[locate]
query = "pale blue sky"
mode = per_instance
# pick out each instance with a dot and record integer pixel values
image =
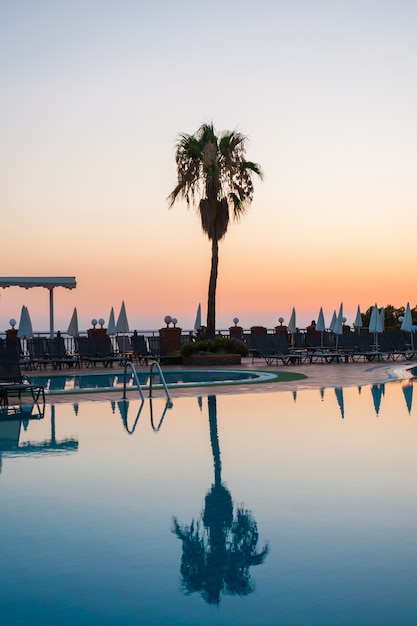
(93, 96)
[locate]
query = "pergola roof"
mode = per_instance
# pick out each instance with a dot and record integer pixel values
(43, 281)
(49, 282)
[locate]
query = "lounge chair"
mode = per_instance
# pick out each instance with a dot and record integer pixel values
(283, 351)
(104, 351)
(38, 352)
(140, 349)
(363, 347)
(12, 381)
(124, 347)
(264, 349)
(58, 355)
(85, 350)
(155, 348)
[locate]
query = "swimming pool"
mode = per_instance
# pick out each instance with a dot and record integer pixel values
(271, 508)
(107, 381)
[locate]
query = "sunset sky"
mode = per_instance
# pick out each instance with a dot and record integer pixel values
(94, 94)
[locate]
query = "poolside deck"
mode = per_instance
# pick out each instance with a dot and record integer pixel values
(318, 375)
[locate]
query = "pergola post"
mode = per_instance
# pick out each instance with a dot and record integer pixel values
(51, 312)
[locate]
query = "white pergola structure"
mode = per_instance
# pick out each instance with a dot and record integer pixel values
(49, 282)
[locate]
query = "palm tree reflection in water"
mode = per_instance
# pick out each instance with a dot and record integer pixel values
(219, 548)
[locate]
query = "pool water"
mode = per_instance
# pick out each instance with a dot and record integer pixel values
(115, 380)
(263, 508)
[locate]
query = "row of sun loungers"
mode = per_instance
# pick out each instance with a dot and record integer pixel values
(328, 347)
(90, 351)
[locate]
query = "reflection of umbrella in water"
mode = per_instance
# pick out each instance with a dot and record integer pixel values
(408, 395)
(340, 400)
(111, 326)
(25, 325)
(73, 325)
(123, 406)
(320, 325)
(122, 325)
(197, 323)
(377, 393)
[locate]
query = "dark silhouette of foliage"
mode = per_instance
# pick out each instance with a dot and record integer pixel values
(219, 548)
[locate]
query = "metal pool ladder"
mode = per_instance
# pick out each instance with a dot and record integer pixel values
(135, 376)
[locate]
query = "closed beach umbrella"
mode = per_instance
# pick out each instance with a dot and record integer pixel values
(338, 327)
(292, 324)
(375, 323)
(111, 326)
(122, 325)
(333, 322)
(25, 325)
(382, 319)
(407, 323)
(197, 323)
(358, 319)
(73, 325)
(320, 325)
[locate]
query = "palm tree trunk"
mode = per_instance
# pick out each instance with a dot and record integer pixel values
(211, 305)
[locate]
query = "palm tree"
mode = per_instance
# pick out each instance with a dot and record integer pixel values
(215, 178)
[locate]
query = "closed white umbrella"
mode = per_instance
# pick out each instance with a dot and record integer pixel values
(25, 325)
(73, 325)
(375, 323)
(358, 319)
(333, 322)
(320, 325)
(407, 323)
(122, 325)
(197, 323)
(292, 325)
(111, 326)
(338, 327)
(382, 319)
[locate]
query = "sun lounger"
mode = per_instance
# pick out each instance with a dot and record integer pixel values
(12, 381)
(58, 355)
(124, 346)
(38, 352)
(140, 349)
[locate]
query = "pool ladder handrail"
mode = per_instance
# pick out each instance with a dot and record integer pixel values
(128, 363)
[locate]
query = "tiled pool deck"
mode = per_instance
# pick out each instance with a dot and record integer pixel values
(318, 375)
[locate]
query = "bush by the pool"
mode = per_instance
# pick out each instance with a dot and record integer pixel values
(219, 345)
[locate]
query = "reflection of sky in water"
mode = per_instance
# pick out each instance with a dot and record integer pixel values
(86, 534)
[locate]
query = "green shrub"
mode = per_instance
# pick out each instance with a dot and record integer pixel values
(219, 345)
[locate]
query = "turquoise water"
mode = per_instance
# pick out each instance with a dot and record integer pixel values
(114, 380)
(258, 508)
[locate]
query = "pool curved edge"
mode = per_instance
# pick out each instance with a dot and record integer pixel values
(261, 377)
